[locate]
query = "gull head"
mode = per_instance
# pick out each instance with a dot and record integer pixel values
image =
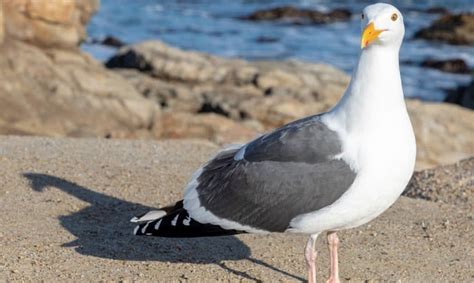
(382, 24)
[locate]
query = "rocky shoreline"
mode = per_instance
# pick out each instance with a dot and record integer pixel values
(455, 29)
(151, 90)
(299, 16)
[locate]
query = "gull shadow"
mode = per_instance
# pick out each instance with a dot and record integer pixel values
(102, 230)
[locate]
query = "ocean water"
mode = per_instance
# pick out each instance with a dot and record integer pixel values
(213, 26)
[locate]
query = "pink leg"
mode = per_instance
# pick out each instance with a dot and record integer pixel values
(333, 243)
(310, 256)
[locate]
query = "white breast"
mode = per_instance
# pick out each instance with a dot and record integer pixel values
(384, 160)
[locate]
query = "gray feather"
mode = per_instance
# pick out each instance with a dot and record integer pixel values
(286, 173)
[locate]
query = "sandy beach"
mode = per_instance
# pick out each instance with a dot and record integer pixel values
(65, 205)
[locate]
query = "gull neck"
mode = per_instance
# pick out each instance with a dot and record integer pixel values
(375, 91)
(377, 70)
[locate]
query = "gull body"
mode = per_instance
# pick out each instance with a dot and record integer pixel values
(323, 173)
(378, 142)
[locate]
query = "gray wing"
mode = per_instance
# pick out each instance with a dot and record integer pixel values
(281, 175)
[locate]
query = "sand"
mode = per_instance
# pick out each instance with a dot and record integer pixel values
(65, 206)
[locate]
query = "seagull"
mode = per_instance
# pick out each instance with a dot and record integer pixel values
(323, 173)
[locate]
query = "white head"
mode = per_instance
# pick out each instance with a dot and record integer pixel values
(382, 24)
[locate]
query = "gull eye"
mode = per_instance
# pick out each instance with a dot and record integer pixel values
(394, 17)
(362, 16)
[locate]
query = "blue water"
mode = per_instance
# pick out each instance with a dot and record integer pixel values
(213, 26)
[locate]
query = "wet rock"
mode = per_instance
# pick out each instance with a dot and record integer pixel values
(128, 60)
(109, 40)
(112, 41)
(431, 10)
(294, 15)
(457, 66)
(463, 96)
(455, 29)
(437, 10)
(266, 39)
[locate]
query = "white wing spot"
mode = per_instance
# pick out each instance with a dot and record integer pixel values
(144, 228)
(157, 225)
(173, 223)
(240, 154)
(187, 220)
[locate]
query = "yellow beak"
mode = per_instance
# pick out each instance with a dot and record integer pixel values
(369, 34)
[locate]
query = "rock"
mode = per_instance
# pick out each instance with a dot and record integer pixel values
(451, 28)
(299, 16)
(463, 95)
(158, 91)
(174, 65)
(59, 23)
(266, 39)
(276, 111)
(166, 62)
(431, 10)
(278, 78)
(109, 40)
(62, 92)
(457, 66)
(453, 184)
(58, 90)
(437, 10)
(444, 132)
(204, 126)
(196, 82)
(175, 96)
(267, 94)
(112, 41)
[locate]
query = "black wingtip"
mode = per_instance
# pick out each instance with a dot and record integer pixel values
(179, 225)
